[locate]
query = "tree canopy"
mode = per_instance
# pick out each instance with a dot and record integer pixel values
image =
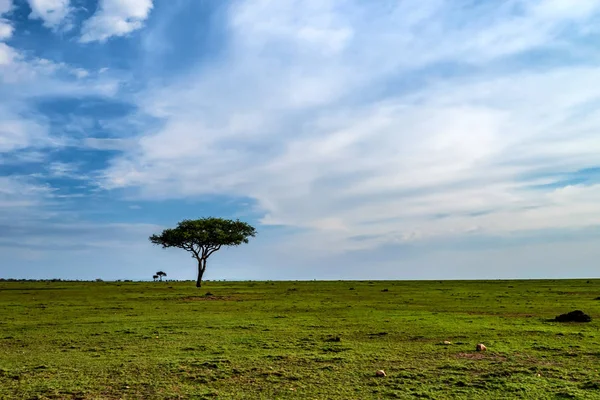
(202, 237)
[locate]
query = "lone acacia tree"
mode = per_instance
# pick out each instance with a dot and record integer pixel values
(204, 236)
(160, 275)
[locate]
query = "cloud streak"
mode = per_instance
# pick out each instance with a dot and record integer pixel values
(409, 134)
(302, 118)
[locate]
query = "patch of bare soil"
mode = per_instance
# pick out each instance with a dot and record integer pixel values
(209, 298)
(481, 356)
(500, 314)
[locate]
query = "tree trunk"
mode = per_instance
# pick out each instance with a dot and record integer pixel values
(201, 268)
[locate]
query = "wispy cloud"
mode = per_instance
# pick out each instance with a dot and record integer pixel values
(6, 28)
(367, 130)
(5, 6)
(349, 120)
(17, 132)
(115, 18)
(23, 79)
(108, 143)
(20, 193)
(79, 236)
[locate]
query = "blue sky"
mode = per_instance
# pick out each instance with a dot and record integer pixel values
(365, 139)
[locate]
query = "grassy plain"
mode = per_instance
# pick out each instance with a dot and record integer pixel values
(303, 340)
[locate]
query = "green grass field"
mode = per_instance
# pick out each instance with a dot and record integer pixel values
(303, 340)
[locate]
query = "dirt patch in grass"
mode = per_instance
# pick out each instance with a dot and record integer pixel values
(481, 356)
(210, 298)
(501, 314)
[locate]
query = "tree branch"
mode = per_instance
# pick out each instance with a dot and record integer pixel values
(213, 249)
(186, 246)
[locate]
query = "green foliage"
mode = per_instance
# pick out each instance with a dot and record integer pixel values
(202, 237)
(298, 340)
(205, 234)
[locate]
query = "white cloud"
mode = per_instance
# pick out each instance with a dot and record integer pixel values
(6, 29)
(60, 169)
(17, 69)
(115, 18)
(319, 25)
(29, 77)
(5, 6)
(7, 54)
(296, 120)
(23, 77)
(52, 12)
(19, 127)
(19, 193)
(80, 73)
(17, 132)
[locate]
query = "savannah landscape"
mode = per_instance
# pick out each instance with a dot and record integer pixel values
(304, 340)
(372, 148)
